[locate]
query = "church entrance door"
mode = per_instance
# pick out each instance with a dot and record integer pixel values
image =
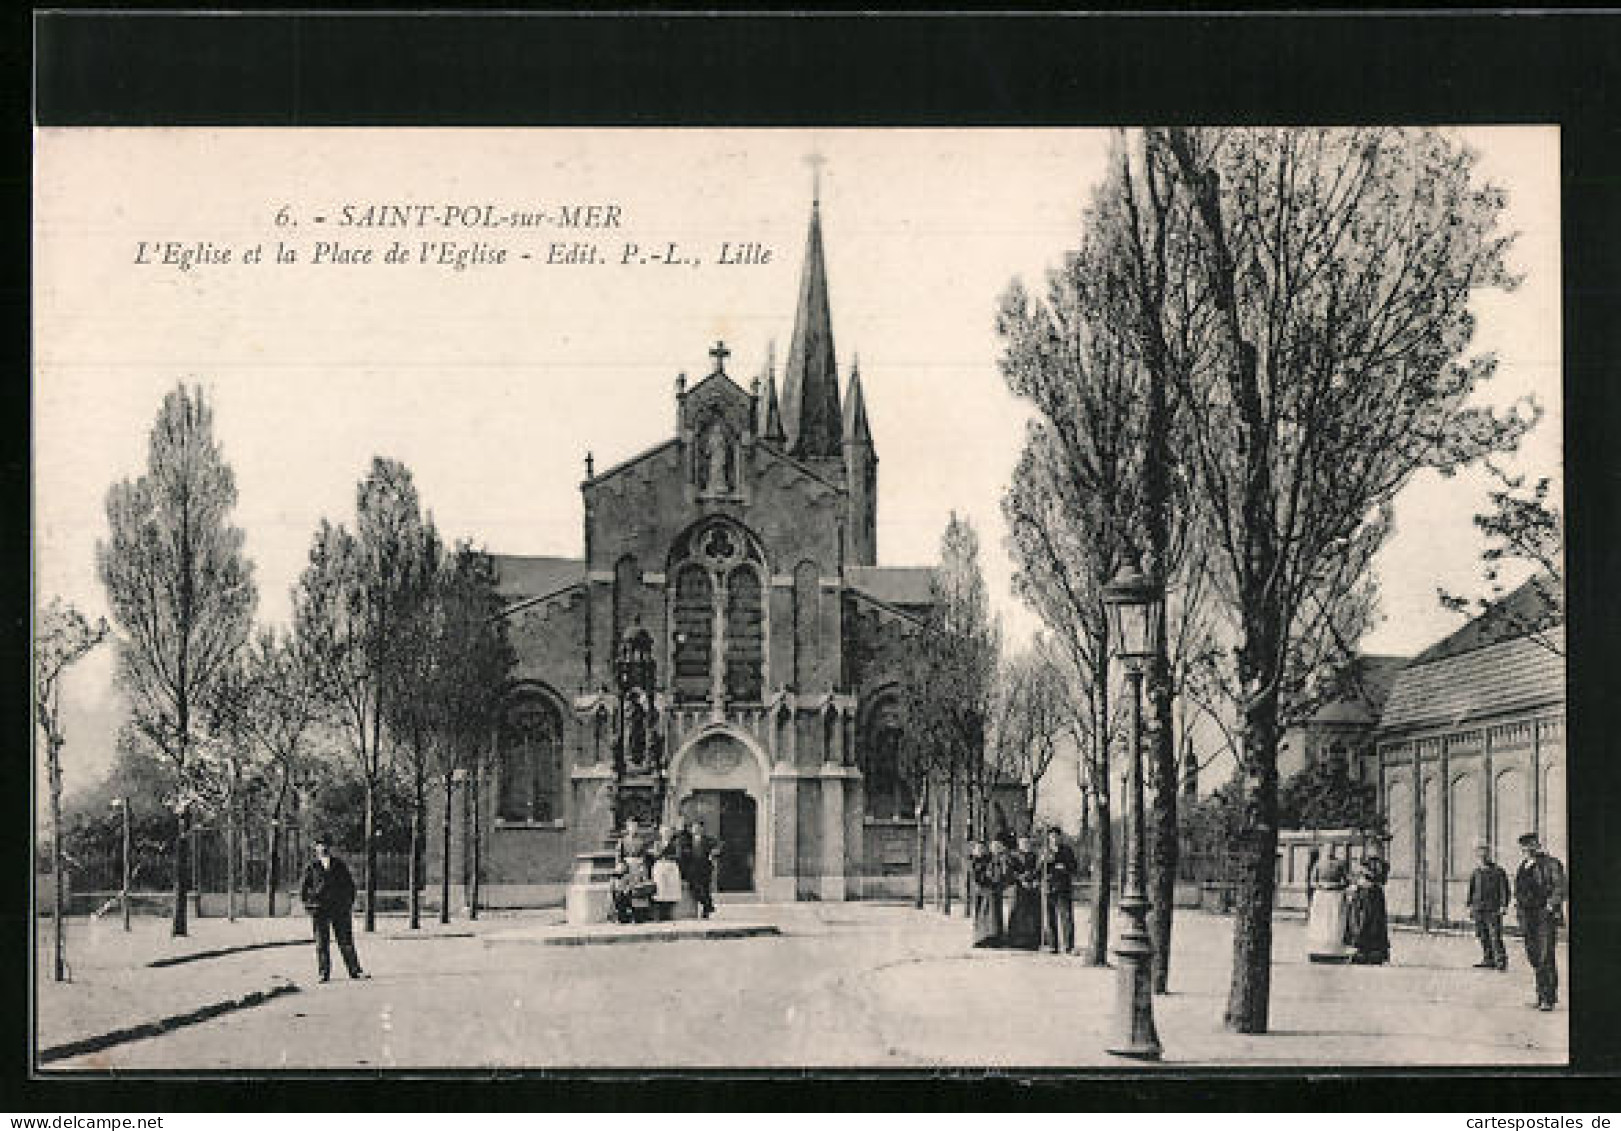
(731, 813)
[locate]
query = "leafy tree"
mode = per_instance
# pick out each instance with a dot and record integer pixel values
(1523, 528)
(62, 638)
(475, 661)
(1325, 796)
(352, 606)
(281, 705)
(947, 694)
(1317, 299)
(413, 706)
(181, 593)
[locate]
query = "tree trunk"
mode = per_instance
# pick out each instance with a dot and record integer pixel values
(1097, 953)
(371, 853)
(177, 925)
(1163, 842)
(444, 856)
(230, 852)
(59, 896)
(273, 864)
(970, 829)
(945, 844)
(921, 831)
(478, 845)
(412, 877)
(1249, 995)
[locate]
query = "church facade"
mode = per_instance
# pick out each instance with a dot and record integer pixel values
(741, 555)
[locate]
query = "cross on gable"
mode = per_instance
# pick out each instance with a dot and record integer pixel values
(720, 353)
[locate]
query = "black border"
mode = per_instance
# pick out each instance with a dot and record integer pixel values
(149, 68)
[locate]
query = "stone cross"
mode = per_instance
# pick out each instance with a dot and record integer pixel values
(720, 353)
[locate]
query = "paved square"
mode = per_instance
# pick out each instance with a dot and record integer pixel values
(842, 985)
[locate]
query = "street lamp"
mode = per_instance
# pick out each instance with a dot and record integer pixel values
(122, 805)
(1136, 609)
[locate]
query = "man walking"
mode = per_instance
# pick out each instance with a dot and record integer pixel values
(1488, 899)
(1539, 897)
(328, 893)
(701, 868)
(1058, 868)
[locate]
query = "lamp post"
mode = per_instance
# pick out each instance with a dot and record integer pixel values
(1136, 609)
(122, 805)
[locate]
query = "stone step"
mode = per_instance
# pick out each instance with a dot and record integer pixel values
(607, 934)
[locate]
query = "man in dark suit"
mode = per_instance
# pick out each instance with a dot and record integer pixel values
(701, 868)
(328, 893)
(1058, 868)
(1488, 899)
(1539, 897)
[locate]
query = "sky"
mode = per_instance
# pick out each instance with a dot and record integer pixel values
(492, 382)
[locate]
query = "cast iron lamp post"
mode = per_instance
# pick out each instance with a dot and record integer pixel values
(1136, 609)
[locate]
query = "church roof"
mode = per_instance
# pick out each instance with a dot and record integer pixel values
(523, 576)
(906, 586)
(810, 409)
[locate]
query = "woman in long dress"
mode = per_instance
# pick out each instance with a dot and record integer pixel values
(667, 867)
(1325, 925)
(990, 876)
(1366, 926)
(1024, 920)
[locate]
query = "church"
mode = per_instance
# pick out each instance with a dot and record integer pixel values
(736, 566)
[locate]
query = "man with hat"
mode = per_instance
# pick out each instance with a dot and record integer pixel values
(1539, 897)
(328, 893)
(1488, 899)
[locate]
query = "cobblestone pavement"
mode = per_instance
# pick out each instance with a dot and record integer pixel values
(844, 985)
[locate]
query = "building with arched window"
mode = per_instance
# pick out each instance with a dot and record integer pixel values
(744, 547)
(1470, 748)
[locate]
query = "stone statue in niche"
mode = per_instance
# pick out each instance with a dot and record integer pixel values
(717, 478)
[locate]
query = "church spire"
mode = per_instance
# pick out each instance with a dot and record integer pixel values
(770, 426)
(810, 410)
(856, 428)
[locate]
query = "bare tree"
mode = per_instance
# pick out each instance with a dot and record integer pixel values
(283, 705)
(62, 637)
(1523, 528)
(180, 590)
(1325, 282)
(350, 607)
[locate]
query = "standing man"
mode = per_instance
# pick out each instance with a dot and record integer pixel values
(1539, 897)
(328, 893)
(1488, 899)
(701, 868)
(1058, 868)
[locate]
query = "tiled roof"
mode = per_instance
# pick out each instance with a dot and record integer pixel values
(894, 585)
(1510, 675)
(1362, 689)
(519, 576)
(1528, 608)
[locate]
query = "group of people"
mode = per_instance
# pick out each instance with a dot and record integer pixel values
(1538, 893)
(1024, 899)
(655, 878)
(1346, 915)
(1348, 921)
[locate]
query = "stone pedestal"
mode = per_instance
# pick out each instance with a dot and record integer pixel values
(590, 898)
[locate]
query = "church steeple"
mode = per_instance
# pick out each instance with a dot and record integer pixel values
(770, 426)
(810, 410)
(856, 429)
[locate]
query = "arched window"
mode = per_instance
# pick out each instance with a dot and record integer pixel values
(719, 571)
(744, 636)
(889, 794)
(694, 622)
(530, 748)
